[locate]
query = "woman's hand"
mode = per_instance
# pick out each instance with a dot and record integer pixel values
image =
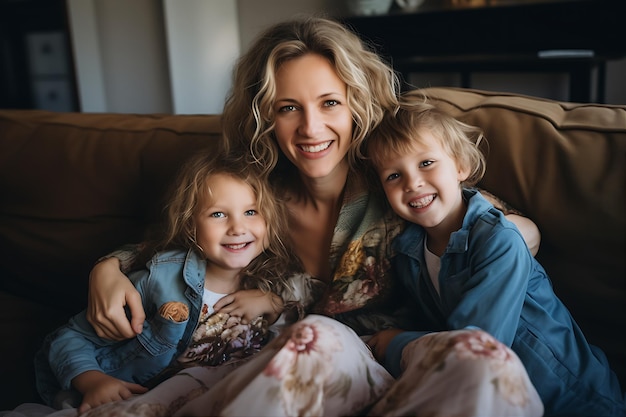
(109, 292)
(379, 342)
(250, 304)
(99, 388)
(529, 230)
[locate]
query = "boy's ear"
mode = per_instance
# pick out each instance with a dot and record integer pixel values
(463, 172)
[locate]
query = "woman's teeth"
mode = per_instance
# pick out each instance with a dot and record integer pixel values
(315, 148)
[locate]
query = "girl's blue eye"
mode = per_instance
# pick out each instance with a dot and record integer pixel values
(218, 214)
(251, 213)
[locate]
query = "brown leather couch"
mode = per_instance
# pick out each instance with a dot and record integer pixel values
(75, 186)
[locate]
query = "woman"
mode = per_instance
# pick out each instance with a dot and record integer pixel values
(306, 95)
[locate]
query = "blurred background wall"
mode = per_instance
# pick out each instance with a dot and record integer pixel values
(176, 56)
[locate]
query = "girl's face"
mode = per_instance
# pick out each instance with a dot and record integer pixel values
(423, 187)
(313, 121)
(230, 229)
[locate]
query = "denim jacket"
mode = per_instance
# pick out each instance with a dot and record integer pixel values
(75, 347)
(488, 279)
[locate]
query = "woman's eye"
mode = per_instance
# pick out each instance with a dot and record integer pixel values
(286, 109)
(331, 103)
(251, 213)
(218, 214)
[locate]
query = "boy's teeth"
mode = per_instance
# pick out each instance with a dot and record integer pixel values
(316, 148)
(422, 202)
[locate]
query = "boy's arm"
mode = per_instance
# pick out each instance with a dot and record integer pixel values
(492, 295)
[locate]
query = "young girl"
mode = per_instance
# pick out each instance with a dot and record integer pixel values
(465, 265)
(224, 233)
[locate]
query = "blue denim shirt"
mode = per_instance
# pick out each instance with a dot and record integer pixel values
(489, 279)
(75, 347)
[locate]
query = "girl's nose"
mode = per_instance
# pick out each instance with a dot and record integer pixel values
(236, 227)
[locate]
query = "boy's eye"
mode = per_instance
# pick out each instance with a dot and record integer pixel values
(251, 213)
(218, 214)
(425, 163)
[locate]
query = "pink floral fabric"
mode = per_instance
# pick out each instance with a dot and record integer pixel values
(460, 373)
(320, 367)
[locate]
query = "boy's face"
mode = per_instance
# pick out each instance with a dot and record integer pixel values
(423, 186)
(230, 230)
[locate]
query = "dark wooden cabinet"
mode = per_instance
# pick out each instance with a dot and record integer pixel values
(576, 37)
(36, 65)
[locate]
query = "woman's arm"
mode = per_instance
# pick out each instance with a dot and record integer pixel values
(109, 292)
(528, 229)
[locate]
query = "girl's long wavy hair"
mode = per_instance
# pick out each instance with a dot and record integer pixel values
(372, 88)
(400, 131)
(192, 191)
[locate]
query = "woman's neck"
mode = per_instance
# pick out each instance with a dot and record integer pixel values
(326, 191)
(314, 210)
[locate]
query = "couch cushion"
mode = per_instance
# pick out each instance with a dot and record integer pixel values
(564, 165)
(75, 186)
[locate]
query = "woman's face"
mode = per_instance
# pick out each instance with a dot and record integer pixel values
(313, 120)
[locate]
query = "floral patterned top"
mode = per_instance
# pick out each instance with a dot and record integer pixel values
(361, 289)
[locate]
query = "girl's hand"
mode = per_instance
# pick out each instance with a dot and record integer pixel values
(109, 291)
(99, 388)
(250, 304)
(379, 342)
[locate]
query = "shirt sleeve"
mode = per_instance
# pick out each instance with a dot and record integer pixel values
(493, 292)
(127, 255)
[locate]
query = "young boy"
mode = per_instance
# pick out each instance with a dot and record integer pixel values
(467, 266)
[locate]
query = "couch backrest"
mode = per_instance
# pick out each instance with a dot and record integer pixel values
(76, 186)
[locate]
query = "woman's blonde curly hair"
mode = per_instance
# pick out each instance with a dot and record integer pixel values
(372, 86)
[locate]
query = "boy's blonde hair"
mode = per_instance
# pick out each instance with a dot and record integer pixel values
(190, 193)
(372, 86)
(400, 131)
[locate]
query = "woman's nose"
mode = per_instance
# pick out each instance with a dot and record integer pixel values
(312, 124)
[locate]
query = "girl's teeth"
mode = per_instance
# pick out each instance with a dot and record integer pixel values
(239, 246)
(316, 148)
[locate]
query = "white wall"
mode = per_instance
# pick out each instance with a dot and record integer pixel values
(203, 43)
(121, 63)
(176, 56)
(88, 62)
(255, 15)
